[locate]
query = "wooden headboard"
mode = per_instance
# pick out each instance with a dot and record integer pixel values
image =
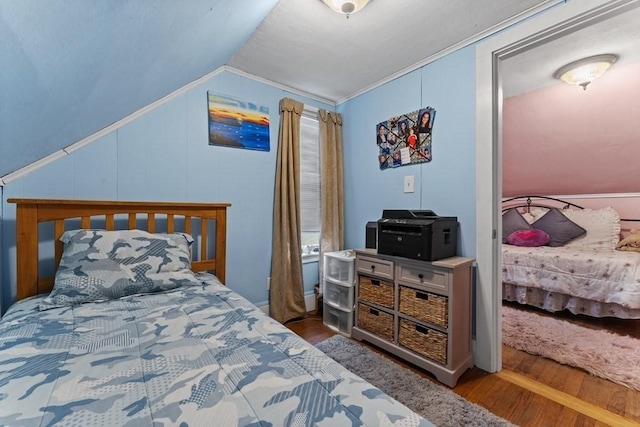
(114, 215)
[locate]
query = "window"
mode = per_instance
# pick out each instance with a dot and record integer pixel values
(310, 187)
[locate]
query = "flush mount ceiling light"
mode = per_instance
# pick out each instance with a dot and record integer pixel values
(586, 70)
(347, 7)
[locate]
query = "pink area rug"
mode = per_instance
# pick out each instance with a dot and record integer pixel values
(601, 353)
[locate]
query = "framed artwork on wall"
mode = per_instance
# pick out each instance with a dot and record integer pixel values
(236, 123)
(405, 139)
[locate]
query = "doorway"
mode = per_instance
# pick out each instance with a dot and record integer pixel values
(554, 24)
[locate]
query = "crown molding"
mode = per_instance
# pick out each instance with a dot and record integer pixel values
(12, 176)
(280, 86)
(31, 167)
(464, 43)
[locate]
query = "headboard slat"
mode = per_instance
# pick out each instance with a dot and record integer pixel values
(204, 265)
(45, 284)
(221, 243)
(27, 250)
(31, 212)
(58, 230)
(171, 223)
(203, 244)
(151, 223)
(110, 223)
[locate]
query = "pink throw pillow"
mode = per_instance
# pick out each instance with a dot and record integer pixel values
(530, 237)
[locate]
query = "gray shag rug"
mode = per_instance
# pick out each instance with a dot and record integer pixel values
(432, 401)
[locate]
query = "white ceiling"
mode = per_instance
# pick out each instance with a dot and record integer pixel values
(534, 68)
(305, 45)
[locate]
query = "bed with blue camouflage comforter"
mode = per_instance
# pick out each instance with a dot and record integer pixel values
(197, 355)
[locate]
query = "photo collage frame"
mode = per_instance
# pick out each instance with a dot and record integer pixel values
(405, 139)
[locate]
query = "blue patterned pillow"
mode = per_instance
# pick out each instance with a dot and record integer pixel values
(100, 265)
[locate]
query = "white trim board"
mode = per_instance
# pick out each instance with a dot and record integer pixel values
(6, 179)
(460, 45)
(279, 86)
(113, 127)
(309, 302)
(598, 196)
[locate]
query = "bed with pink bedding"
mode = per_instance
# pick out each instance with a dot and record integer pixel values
(582, 266)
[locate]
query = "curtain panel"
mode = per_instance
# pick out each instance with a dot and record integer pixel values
(286, 298)
(331, 187)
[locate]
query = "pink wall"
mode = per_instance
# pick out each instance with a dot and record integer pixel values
(563, 140)
(627, 208)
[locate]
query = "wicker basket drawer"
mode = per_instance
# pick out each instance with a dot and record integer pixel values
(376, 291)
(436, 279)
(424, 341)
(374, 266)
(424, 306)
(376, 321)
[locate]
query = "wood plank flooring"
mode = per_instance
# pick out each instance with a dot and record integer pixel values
(531, 390)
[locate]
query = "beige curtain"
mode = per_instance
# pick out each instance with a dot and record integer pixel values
(331, 187)
(286, 300)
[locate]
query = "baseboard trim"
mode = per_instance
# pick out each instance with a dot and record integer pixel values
(309, 302)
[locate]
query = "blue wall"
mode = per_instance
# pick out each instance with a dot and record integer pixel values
(164, 155)
(2, 257)
(447, 184)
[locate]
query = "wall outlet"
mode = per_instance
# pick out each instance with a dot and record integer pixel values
(268, 283)
(409, 184)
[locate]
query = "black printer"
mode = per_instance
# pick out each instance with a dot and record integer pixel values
(419, 235)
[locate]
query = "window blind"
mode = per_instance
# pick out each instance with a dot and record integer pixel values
(309, 174)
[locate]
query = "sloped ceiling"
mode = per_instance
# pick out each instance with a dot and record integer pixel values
(71, 68)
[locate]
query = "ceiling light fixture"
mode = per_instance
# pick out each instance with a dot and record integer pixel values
(346, 7)
(586, 70)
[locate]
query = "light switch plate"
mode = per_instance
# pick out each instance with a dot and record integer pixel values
(409, 184)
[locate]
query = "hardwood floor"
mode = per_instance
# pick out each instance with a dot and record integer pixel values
(531, 390)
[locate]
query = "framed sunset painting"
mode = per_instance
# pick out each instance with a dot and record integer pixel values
(236, 123)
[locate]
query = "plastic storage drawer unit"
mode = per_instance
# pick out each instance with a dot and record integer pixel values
(340, 266)
(339, 320)
(338, 295)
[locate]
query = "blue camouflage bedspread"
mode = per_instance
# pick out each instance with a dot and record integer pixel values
(196, 356)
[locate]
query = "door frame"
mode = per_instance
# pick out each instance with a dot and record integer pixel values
(560, 20)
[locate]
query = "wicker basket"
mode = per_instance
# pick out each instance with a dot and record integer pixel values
(376, 321)
(427, 342)
(424, 306)
(375, 291)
